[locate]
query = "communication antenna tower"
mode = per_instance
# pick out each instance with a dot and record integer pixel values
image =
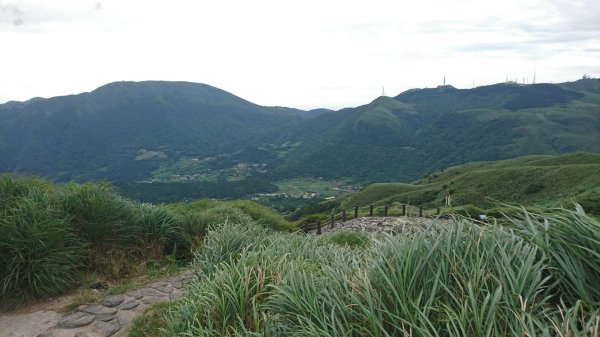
(533, 78)
(383, 91)
(444, 79)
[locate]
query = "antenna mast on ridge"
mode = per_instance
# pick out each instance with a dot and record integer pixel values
(383, 91)
(444, 80)
(533, 78)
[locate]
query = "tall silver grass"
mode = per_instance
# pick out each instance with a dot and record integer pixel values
(458, 280)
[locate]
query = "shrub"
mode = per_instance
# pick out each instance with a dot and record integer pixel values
(454, 280)
(469, 211)
(571, 240)
(241, 264)
(39, 252)
(98, 213)
(12, 189)
(590, 202)
(533, 188)
(354, 239)
(157, 230)
(151, 323)
(262, 214)
(49, 232)
(226, 242)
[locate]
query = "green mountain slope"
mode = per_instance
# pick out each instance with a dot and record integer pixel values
(177, 132)
(547, 180)
(424, 130)
(366, 143)
(122, 131)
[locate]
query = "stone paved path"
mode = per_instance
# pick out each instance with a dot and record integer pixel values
(112, 316)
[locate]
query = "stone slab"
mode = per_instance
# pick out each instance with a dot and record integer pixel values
(106, 329)
(129, 304)
(113, 301)
(98, 310)
(76, 320)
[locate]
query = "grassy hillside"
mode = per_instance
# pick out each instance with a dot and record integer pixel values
(534, 274)
(460, 279)
(544, 180)
(54, 235)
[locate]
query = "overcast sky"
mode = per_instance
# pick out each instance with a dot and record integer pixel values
(304, 54)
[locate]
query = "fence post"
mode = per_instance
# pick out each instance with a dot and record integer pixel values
(370, 210)
(319, 227)
(385, 211)
(332, 221)
(355, 212)
(420, 211)
(403, 210)
(344, 216)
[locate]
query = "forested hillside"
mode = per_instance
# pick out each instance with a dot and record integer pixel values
(424, 130)
(178, 132)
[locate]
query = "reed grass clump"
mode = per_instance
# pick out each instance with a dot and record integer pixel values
(51, 234)
(39, 250)
(571, 240)
(98, 213)
(462, 279)
(238, 267)
(350, 238)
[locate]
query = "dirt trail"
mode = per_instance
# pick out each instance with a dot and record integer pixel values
(112, 316)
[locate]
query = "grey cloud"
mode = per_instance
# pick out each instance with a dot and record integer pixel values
(98, 5)
(574, 25)
(532, 42)
(11, 13)
(566, 18)
(576, 21)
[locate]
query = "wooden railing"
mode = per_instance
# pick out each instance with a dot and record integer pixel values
(385, 211)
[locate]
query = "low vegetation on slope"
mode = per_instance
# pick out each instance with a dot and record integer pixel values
(52, 234)
(535, 277)
(545, 180)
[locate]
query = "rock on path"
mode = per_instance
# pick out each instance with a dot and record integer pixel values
(112, 316)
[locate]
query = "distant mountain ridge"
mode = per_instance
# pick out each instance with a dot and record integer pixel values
(165, 131)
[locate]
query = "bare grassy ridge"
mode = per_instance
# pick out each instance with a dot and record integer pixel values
(535, 277)
(529, 180)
